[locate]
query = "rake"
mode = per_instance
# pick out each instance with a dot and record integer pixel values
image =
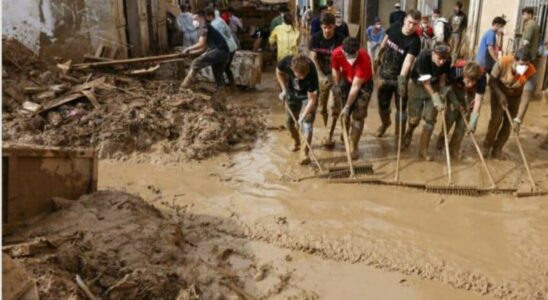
(305, 140)
(451, 188)
(534, 191)
(478, 150)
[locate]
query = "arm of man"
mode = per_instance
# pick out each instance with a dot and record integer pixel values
(314, 57)
(312, 101)
(354, 90)
(407, 64)
(199, 47)
(282, 79)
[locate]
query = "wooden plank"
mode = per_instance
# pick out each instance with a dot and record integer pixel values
(60, 101)
(91, 97)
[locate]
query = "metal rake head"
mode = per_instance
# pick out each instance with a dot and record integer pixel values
(454, 190)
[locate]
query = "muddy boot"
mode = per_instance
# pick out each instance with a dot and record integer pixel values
(408, 136)
(485, 151)
(544, 145)
(454, 145)
(440, 143)
(385, 123)
(305, 153)
(355, 135)
(497, 153)
(424, 143)
(296, 139)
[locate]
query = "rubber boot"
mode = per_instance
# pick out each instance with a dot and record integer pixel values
(296, 138)
(385, 123)
(424, 143)
(454, 145)
(440, 143)
(355, 135)
(408, 136)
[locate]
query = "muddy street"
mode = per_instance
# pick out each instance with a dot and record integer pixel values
(383, 241)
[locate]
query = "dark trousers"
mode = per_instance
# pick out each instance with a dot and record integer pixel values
(386, 91)
(228, 71)
(215, 58)
(499, 128)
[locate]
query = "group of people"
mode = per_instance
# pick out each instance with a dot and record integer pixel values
(425, 83)
(211, 34)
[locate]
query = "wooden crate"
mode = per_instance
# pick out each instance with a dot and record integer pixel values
(31, 176)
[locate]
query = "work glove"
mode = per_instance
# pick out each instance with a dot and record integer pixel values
(402, 85)
(438, 104)
(185, 51)
(517, 125)
(283, 96)
(473, 121)
(345, 111)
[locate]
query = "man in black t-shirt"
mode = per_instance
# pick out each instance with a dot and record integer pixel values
(426, 89)
(322, 45)
(298, 79)
(468, 85)
(216, 52)
(398, 51)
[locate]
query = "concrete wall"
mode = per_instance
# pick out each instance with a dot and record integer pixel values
(67, 28)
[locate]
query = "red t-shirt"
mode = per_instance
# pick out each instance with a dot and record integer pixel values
(361, 67)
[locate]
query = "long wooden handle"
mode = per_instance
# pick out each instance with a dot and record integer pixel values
(447, 155)
(533, 184)
(398, 155)
(346, 142)
(305, 140)
(478, 150)
(347, 147)
(127, 61)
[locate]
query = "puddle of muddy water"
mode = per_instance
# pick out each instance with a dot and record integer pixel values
(494, 245)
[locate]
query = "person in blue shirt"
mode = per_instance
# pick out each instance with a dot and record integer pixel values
(316, 24)
(375, 35)
(488, 51)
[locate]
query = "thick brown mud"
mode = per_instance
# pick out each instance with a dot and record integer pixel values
(437, 246)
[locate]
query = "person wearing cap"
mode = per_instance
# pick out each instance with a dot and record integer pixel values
(400, 47)
(375, 35)
(468, 85)
(322, 45)
(427, 87)
(458, 22)
(507, 81)
(298, 79)
(353, 86)
(397, 15)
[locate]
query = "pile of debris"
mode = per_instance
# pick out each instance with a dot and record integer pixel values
(111, 245)
(117, 114)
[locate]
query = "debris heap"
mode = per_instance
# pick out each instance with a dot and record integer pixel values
(117, 114)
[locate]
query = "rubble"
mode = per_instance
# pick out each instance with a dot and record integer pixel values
(121, 116)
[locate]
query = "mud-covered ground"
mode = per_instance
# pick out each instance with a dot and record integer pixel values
(417, 245)
(249, 230)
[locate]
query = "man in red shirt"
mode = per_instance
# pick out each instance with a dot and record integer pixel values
(352, 75)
